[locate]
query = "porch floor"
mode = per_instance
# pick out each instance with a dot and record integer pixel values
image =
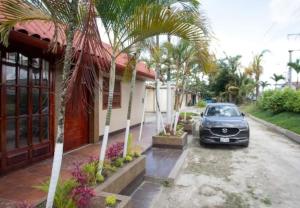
(18, 186)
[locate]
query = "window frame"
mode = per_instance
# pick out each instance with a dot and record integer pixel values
(117, 98)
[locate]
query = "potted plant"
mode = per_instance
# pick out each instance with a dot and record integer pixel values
(171, 139)
(186, 119)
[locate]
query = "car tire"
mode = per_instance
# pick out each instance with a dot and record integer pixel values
(246, 144)
(202, 144)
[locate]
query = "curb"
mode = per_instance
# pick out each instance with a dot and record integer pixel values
(170, 179)
(291, 135)
(176, 169)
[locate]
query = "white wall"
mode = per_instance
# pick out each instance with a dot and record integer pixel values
(119, 115)
(150, 100)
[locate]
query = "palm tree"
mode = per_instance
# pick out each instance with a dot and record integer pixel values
(264, 84)
(296, 67)
(277, 78)
(187, 58)
(68, 18)
(189, 5)
(127, 23)
(256, 69)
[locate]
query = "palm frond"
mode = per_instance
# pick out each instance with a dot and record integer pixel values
(151, 20)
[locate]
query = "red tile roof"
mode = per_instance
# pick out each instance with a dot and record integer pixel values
(45, 31)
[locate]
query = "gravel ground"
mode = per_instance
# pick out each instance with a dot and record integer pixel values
(266, 174)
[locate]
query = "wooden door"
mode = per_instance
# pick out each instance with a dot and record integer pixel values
(76, 127)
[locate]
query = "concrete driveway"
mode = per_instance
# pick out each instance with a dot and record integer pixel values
(267, 174)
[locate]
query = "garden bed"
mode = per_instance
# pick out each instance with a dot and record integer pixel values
(123, 177)
(170, 141)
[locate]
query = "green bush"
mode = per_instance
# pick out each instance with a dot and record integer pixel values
(277, 101)
(119, 162)
(264, 100)
(111, 201)
(128, 159)
(201, 104)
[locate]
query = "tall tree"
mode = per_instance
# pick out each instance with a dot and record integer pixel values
(296, 67)
(256, 69)
(128, 22)
(187, 58)
(277, 78)
(68, 18)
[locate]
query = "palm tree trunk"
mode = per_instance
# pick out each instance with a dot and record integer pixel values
(58, 151)
(169, 98)
(143, 114)
(179, 106)
(112, 77)
(132, 88)
(157, 91)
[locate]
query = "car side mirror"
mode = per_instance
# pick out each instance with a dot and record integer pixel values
(243, 114)
(201, 114)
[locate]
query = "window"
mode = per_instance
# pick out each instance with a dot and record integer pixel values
(25, 96)
(117, 93)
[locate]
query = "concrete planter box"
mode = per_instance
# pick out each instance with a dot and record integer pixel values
(99, 200)
(115, 184)
(123, 177)
(170, 141)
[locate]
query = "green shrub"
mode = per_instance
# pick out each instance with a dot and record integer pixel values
(128, 159)
(277, 101)
(264, 100)
(119, 162)
(201, 104)
(63, 192)
(91, 170)
(136, 154)
(292, 103)
(111, 201)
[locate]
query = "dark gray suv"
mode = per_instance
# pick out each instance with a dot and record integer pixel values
(223, 123)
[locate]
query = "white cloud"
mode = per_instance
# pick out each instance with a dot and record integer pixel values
(285, 11)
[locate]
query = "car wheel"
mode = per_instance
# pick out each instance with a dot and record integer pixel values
(246, 144)
(202, 144)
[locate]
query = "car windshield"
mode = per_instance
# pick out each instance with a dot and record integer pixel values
(222, 110)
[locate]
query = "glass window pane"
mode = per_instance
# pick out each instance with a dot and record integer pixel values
(10, 57)
(45, 101)
(45, 126)
(23, 77)
(36, 62)
(35, 100)
(10, 74)
(36, 76)
(23, 60)
(23, 132)
(35, 129)
(45, 78)
(10, 134)
(10, 101)
(23, 101)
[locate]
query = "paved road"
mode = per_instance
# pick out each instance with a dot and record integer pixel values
(267, 174)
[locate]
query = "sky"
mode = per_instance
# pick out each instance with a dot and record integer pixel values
(246, 27)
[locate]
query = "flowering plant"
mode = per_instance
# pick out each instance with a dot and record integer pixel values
(115, 151)
(82, 196)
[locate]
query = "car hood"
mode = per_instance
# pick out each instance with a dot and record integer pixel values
(229, 122)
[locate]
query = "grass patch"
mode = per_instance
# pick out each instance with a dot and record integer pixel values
(287, 120)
